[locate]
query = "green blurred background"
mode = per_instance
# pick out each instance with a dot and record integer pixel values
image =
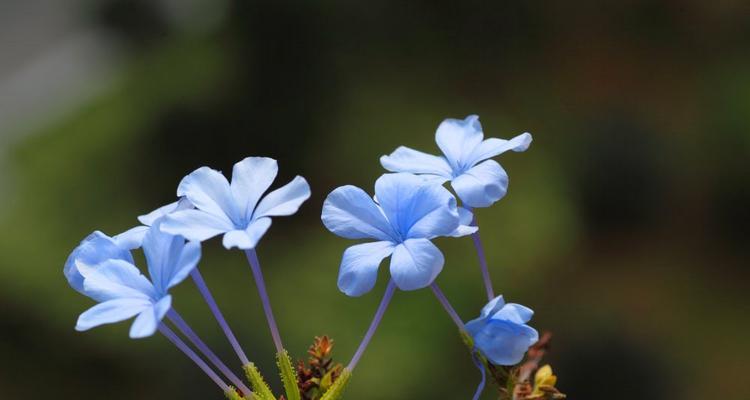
(625, 228)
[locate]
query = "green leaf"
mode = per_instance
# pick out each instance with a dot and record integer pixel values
(337, 389)
(262, 391)
(288, 375)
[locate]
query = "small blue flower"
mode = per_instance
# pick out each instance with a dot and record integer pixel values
(235, 209)
(406, 213)
(501, 333)
(101, 270)
(477, 180)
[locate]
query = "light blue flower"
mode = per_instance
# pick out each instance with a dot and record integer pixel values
(477, 180)
(406, 213)
(110, 277)
(235, 209)
(501, 333)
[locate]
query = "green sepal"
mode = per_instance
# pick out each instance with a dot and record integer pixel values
(288, 375)
(259, 385)
(337, 389)
(233, 395)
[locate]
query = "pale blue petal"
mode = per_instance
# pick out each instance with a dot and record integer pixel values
(515, 313)
(458, 139)
(196, 224)
(415, 264)
(251, 178)
(148, 320)
(465, 227)
(132, 238)
(482, 185)
(169, 258)
(350, 212)
(208, 190)
(494, 146)
(359, 267)
(116, 279)
(493, 306)
(110, 312)
(189, 258)
(414, 208)
(285, 200)
(248, 238)
(94, 249)
(503, 342)
(181, 204)
(404, 159)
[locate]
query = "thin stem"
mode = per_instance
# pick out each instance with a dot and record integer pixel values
(387, 296)
(480, 365)
(447, 305)
(186, 330)
(252, 258)
(482, 262)
(164, 329)
(201, 284)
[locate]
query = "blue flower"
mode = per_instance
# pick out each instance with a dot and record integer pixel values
(501, 333)
(106, 273)
(477, 180)
(406, 213)
(235, 209)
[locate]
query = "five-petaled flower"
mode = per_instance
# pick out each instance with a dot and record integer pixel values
(477, 180)
(104, 271)
(404, 215)
(234, 209)
(501, 333)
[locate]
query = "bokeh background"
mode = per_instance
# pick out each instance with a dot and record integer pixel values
(626, 225)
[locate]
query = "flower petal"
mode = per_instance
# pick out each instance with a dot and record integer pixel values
(248, 238)
(503, 342)
(208, 190)
(515, 313)
(350, 212)
(251, 178)
(111, 311)
(94, 249)
(482, 185)
(114, 279)
(195, 224)
(493, 306)
(415, 208)
(285, 200)
(458, 138)
(494, 146)
(148, 320)
(415, 264)
(359, 267)
(465, 227)
(132, 238)
(181, 204)
(404, 159)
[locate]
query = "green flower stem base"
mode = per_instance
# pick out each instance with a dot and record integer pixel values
(259, 385)
(336, 391)
(233, 395)
(288, 375)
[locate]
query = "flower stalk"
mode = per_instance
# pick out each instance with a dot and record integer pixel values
(209, 298)
(252, 258)
(186, 330)
(387, 296)
(172, 337)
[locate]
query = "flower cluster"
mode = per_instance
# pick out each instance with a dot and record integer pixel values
(411, 206)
